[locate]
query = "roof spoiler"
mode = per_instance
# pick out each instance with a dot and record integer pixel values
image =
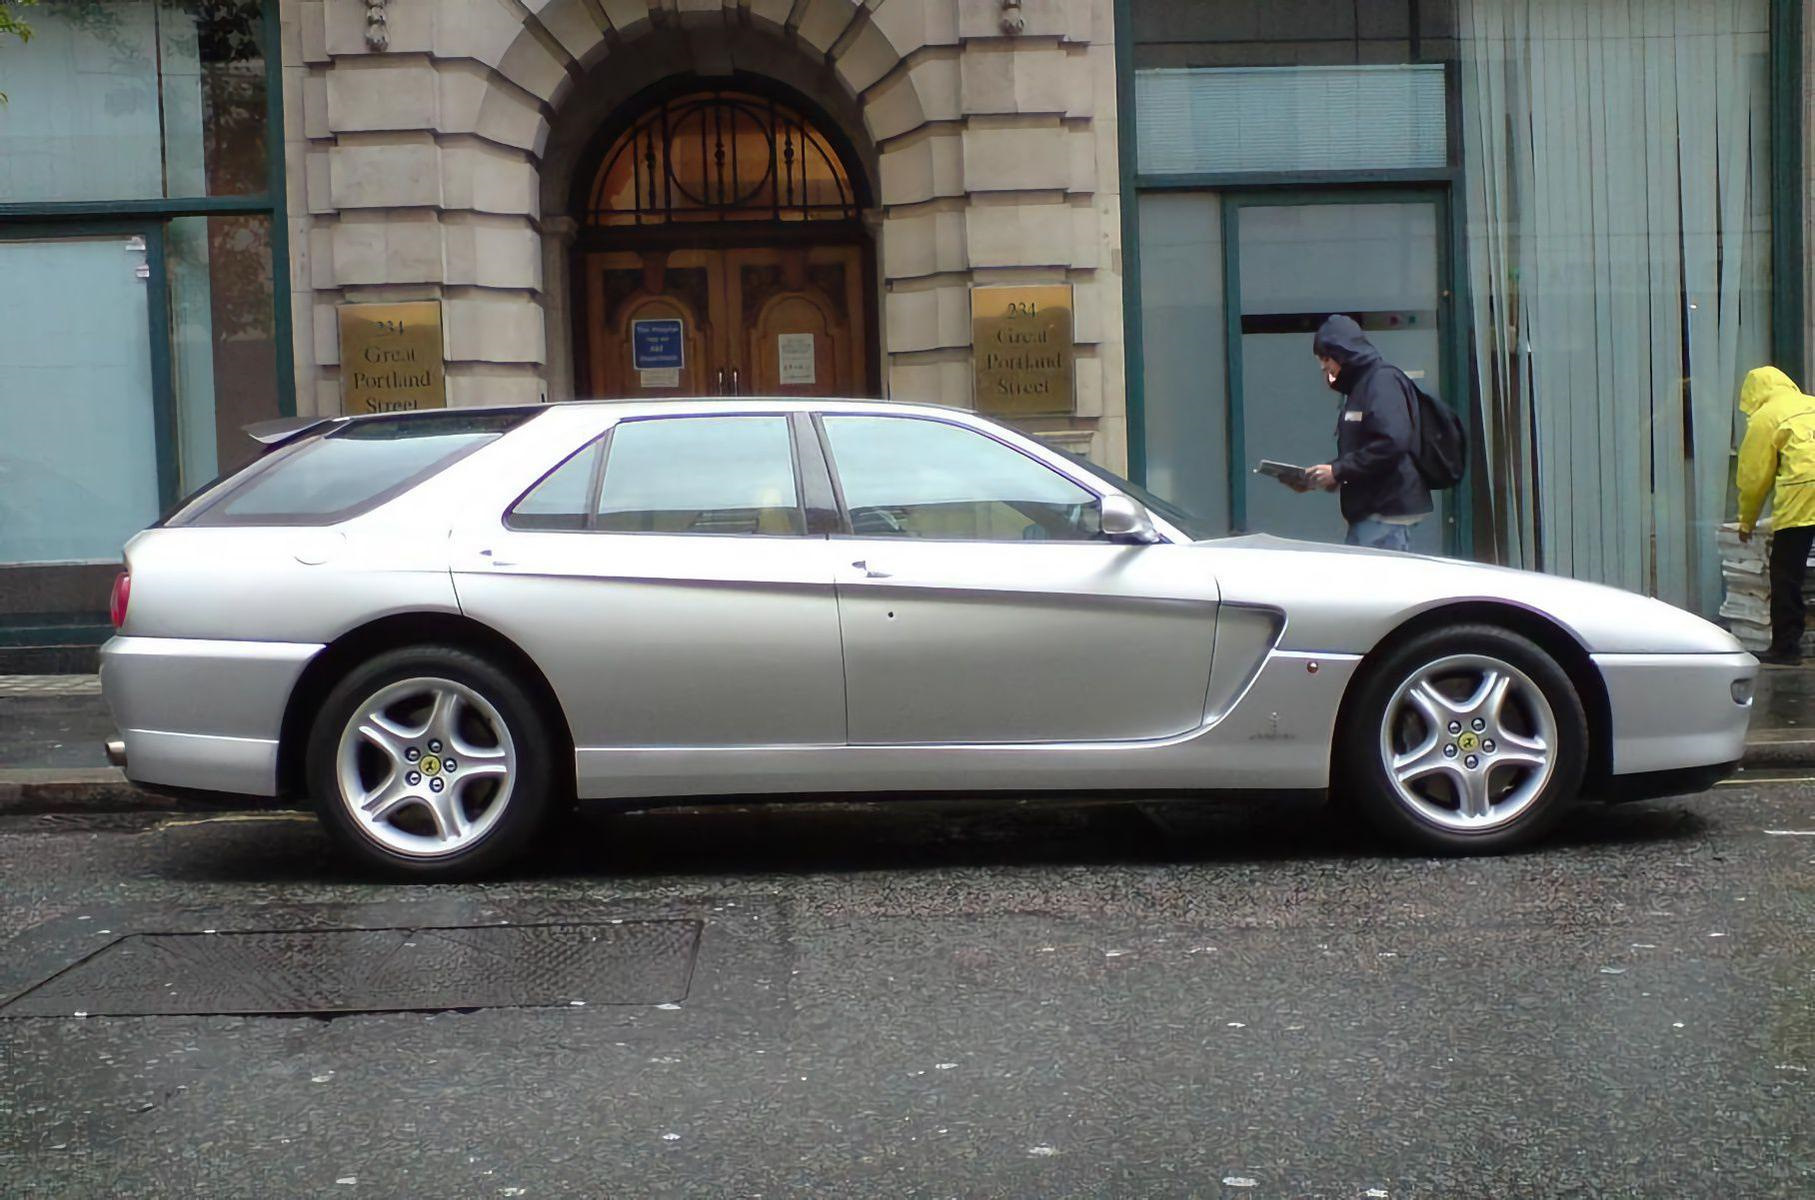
(272, 433)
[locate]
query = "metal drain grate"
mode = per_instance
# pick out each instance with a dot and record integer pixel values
(298, 972)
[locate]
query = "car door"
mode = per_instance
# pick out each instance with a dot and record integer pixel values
(664, 580)
(980, 603)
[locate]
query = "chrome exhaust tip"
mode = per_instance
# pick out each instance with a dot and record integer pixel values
(116, 752)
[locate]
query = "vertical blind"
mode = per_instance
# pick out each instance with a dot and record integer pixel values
(1616, 159)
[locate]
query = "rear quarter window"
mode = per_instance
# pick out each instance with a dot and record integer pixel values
(348, 470)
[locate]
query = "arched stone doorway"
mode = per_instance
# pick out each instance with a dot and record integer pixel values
(719, 247)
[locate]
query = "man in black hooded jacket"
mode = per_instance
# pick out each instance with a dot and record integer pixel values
(1383, 495)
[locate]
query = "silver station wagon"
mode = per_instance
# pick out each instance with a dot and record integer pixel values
(442, 625)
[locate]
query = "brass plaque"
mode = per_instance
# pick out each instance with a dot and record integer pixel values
(1022, 348)
(390, 358)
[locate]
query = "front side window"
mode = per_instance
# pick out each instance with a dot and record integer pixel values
(911, 477)
(700, 475)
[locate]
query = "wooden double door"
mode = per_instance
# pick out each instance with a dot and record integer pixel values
(754, 321)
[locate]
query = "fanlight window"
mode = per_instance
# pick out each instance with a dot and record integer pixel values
(720, 156)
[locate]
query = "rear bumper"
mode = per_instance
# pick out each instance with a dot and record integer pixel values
(1673, 712)
(201, 714)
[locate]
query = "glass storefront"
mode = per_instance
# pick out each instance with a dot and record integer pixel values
(1554, 216)
(134, 100)
(78, 462)
(138, 326)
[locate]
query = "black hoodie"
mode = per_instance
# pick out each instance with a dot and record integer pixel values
(1375, 433)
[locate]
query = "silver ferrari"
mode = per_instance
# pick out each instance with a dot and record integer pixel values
(440, 626)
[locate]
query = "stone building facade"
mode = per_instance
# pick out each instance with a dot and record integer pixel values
(432, 148)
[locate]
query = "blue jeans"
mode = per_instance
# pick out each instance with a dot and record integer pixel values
(1380, 535)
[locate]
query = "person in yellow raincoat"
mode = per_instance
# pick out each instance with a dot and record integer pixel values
(1777, 458)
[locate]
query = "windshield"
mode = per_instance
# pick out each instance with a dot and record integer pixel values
(1189, 523)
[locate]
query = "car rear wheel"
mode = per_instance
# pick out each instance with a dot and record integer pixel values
(1464, 740)
(430, 762)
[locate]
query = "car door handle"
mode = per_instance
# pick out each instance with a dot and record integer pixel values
(496, 561)
(864, 566)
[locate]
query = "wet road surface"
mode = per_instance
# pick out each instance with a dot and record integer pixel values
(929, 999)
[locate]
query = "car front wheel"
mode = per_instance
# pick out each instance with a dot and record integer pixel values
(1464, 740)
(430, 762)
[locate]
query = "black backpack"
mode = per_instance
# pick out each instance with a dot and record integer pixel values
(1441, 453)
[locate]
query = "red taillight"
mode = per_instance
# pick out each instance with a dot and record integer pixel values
(122, 596)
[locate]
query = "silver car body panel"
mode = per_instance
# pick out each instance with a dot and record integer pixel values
(948, 643)
(705, 664)
(1672, 710)
(202, 713)
(652, 640)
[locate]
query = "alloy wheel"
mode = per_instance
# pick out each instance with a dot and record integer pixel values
(1469, 742)
(426, 767)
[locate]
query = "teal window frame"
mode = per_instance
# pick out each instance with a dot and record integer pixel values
(148, 217)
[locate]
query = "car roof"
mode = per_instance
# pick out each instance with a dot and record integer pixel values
(286, 429)
(703, 404)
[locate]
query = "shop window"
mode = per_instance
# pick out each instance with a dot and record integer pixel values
(79, 472)
(1291, 33)
(1617, 164)
(1230, 119)
(223, 339)
(133, 100)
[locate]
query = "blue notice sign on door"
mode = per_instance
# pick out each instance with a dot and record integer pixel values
(656, 344)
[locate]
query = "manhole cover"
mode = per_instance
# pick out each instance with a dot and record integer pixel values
(296, 972)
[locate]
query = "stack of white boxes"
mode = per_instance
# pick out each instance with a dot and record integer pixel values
(1745, 569)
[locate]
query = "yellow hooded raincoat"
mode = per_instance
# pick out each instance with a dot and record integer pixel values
(1779, 450)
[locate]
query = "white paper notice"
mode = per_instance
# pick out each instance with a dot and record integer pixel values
(796, 354)
(661, 377)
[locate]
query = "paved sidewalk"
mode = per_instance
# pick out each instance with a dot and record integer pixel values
(52, 730)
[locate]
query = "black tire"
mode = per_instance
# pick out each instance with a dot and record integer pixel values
(526, 800)
(1362, 775)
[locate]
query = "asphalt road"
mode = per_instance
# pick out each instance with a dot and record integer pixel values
(938, 1000)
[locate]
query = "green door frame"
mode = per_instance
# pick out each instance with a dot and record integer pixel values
(1459, 537)
(157, 304)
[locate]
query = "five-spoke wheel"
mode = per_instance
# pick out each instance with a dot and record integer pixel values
(426, 766)
(431, 761)
(1469, 738)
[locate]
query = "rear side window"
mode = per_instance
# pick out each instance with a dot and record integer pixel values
(564, 497)
(700, 475)
(351, 468)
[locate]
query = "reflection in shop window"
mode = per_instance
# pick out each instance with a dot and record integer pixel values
(135, 99)
(223, 340)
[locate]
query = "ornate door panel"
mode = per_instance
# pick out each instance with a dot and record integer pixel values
(755, 321)
(626, 287)
(800, 322)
